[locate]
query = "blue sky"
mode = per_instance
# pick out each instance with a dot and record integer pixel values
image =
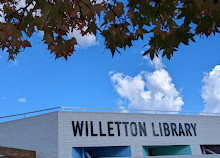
(92, 78)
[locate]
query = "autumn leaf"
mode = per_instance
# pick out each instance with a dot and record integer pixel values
(166, 24)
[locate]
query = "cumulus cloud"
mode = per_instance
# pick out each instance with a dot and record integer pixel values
(156, 63)
(84, 41)
(148, 90)
(211, 90)
(22, 100)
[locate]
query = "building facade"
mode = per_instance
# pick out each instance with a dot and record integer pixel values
(68, 134)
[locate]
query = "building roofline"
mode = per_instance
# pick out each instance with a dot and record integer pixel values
(106, 110)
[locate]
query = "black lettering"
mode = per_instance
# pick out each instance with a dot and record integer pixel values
(110, 129)
(92, 131)
(133, 128)
(77, 128)
(142, 129)
(126, 127)
(161, 131)
(118, 127)
(100, 129)
(87, 129)
(166, 129)
(173, 129)
(153, 128)
(187, 128)
(181, 131)
(194, 128)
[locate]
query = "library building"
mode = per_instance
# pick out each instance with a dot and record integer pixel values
(76, 133)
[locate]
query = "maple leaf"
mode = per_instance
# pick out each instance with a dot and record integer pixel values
(167, 23)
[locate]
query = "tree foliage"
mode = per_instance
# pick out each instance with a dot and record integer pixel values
(164, 24)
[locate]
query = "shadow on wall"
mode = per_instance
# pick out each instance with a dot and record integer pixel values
(167, 150)
(109, 151)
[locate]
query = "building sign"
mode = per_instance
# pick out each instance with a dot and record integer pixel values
(111, 129)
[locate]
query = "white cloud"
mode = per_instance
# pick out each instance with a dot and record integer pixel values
(211, 90)
(22, 100)
(148, 90)
(37, 13)
(23, 4)
(123, 109)
(2, 15)
(110, 73)
(19, 4)
(84, 41)
(157, 63)
(100, 1)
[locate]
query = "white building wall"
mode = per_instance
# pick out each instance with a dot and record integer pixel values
(37, 133)
(51, 135)
(207, 132)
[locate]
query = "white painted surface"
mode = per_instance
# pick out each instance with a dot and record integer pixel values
(51, 135)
